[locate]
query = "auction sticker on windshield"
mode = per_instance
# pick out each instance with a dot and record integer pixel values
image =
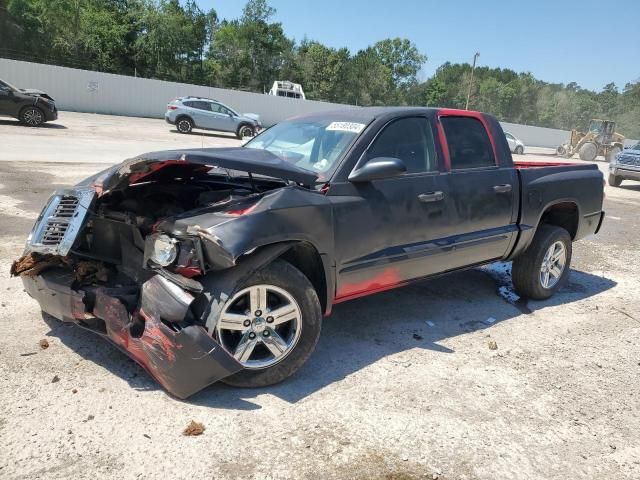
(346, 127)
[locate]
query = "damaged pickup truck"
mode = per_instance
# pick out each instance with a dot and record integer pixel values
(219, 264)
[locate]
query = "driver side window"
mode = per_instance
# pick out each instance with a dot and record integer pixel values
(410, 140)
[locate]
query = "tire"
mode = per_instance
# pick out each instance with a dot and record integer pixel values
(184, 125)
(614, 180)
(527, 273)
(32, 116)
(245, 131)
(282, 276)
(612, 154)
(588, 152)
(519, 150)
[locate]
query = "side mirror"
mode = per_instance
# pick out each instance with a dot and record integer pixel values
(378, 168)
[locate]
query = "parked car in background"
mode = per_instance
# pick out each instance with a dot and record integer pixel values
(625, 166)
(187, 113)
(515, 145)
(31, 107)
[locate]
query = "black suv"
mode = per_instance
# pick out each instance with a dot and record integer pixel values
(31, 107)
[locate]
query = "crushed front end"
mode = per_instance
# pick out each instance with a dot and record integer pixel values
(147, 252)
(91, 260)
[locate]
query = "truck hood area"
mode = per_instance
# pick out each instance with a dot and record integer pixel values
(148, 166)
(35, 93)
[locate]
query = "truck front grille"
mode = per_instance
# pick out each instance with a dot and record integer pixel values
(58, 225)
(631, 160)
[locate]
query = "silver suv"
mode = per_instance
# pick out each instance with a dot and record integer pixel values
(187, 113)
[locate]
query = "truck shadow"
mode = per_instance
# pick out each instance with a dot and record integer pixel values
(365, 331)
(208, 133)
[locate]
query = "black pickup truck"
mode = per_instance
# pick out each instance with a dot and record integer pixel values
(219, 264)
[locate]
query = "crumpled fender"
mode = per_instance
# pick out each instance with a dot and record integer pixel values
(221, 286)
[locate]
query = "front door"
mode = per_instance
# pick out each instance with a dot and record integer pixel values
(389, 231)
(222, 118)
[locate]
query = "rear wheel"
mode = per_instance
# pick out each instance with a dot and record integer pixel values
(519, 150)
(611, 155)
(270, 325)
(32, 116)
(588, 152)
(614, 180)
(544, 266)
(245, 131)
(184, 125)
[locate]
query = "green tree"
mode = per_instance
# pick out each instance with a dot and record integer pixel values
(402, 58)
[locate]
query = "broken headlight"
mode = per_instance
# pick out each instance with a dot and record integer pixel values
(161, 249)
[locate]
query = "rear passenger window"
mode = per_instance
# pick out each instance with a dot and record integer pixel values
(468, 142)
(198, 104)
(410, 140)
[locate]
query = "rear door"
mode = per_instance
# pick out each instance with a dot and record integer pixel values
(482, 191)
(200, 112)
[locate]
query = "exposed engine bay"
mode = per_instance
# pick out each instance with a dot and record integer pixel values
(126, 217)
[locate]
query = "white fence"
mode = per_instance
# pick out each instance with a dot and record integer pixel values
(96, 92)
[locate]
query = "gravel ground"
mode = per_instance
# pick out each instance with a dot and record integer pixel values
(403, 384)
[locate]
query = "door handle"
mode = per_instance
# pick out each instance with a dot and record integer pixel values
(506, 188)
(431, 197)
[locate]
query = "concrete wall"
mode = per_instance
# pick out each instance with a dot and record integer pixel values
(96, 92)
(537, 136)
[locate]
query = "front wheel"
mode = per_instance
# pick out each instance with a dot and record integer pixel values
(271, 325)
(245, 131)
(588, 152)
(540, 271)
(519, 150)
(32, 116)
(614, 180)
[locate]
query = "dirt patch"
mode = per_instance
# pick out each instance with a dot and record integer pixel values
(193, 429)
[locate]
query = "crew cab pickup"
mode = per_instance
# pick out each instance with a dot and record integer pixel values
(219, 264)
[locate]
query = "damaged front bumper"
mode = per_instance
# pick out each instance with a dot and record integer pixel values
(183, 359)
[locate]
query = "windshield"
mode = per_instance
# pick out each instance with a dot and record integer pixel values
(635, 147)
(312, 144)
(595, 127)
(9, 85)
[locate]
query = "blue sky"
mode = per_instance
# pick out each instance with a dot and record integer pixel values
(540, 36)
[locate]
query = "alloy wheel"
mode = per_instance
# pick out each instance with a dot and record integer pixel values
(553, 265)
(32, 117)
(260, 326)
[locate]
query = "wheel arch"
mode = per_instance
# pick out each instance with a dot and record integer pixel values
(30, 105)
(564, 214)
(221, 284)
(182, 116)
(243, 123)
(306, 258)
